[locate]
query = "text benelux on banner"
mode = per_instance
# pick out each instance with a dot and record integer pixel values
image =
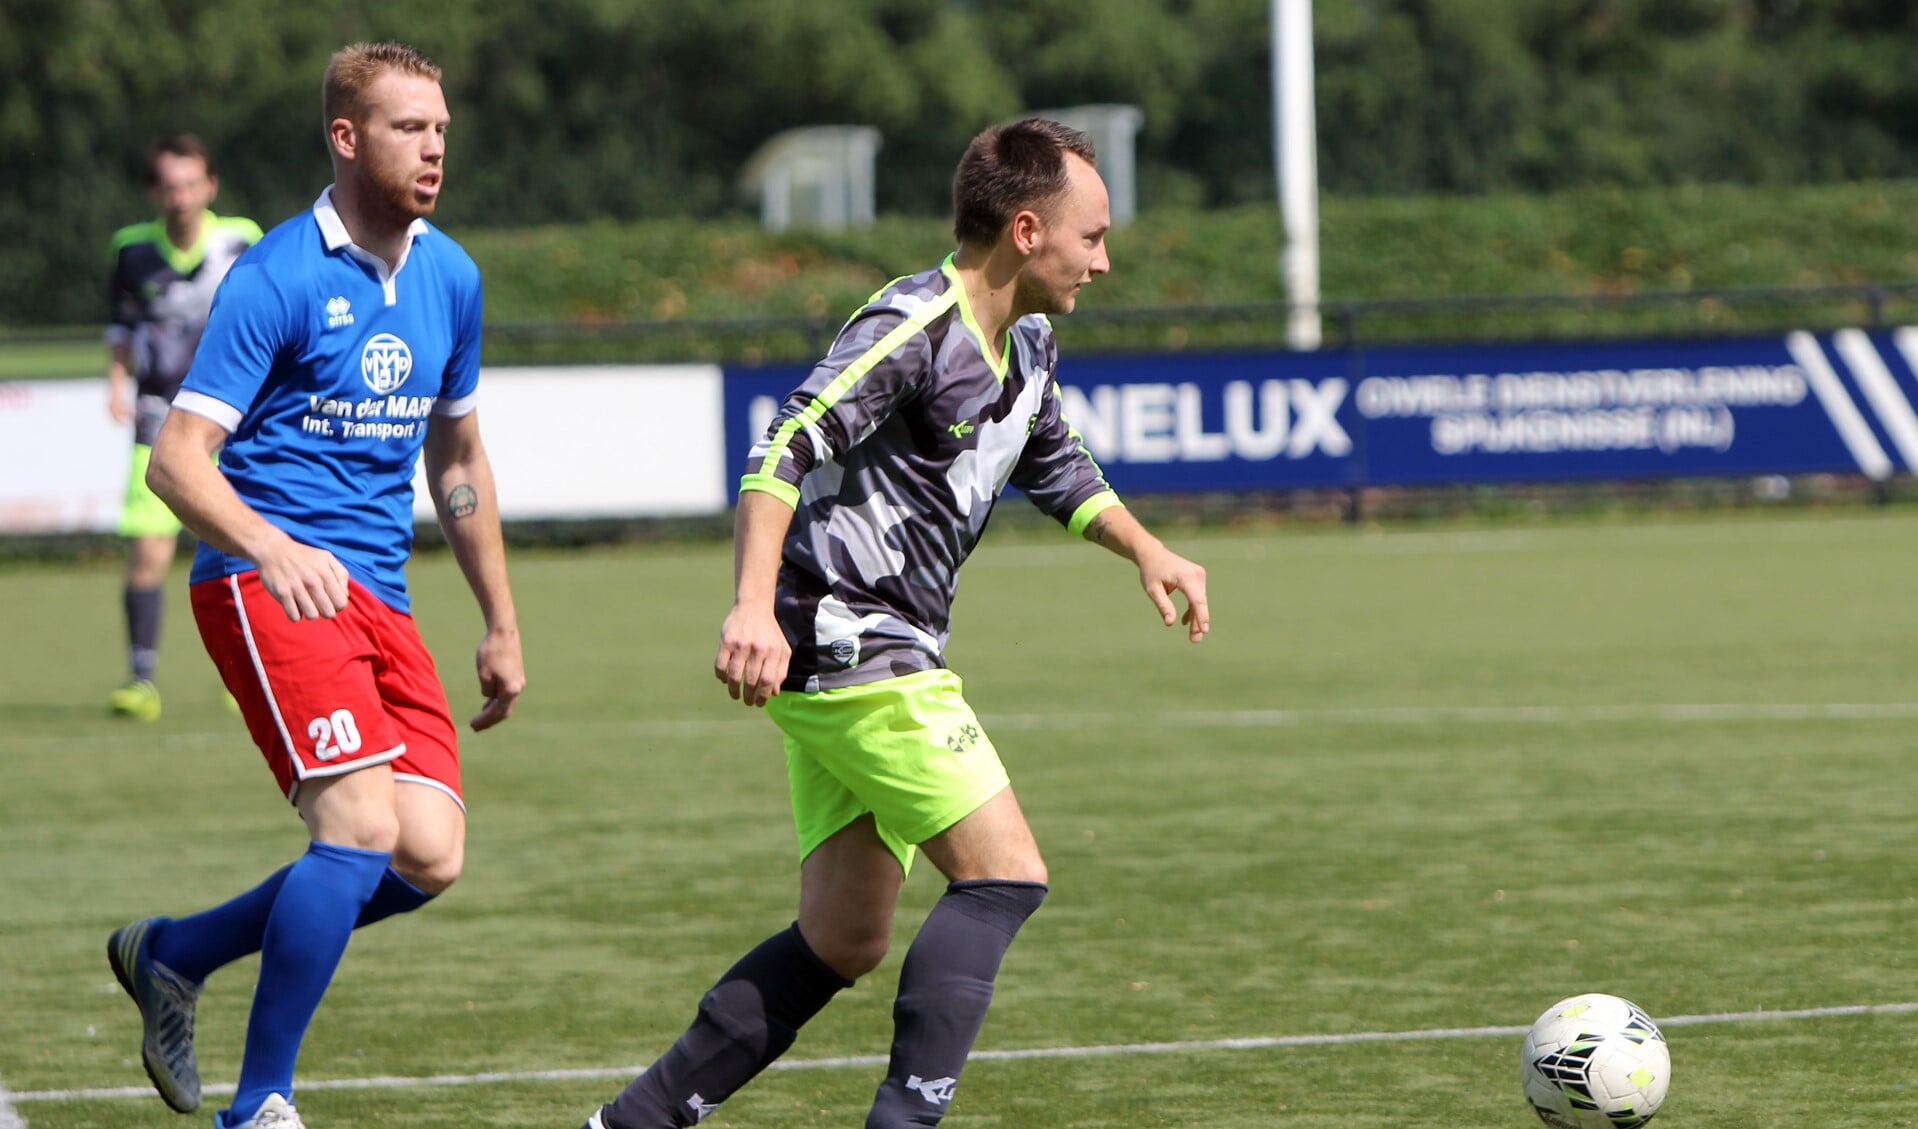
(1165, 423)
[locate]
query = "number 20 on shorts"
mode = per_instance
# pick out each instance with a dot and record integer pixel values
(334, 735)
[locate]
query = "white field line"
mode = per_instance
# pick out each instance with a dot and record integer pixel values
(9, 1117)
(749, 726)
(1190, 1046)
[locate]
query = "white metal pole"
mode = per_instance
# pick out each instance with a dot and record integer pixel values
(1295, 145)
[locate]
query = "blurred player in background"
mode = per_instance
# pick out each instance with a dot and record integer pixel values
(869, 490)
(164, 274)
(342, 348)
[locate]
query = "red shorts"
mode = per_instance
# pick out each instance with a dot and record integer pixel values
(324, 697)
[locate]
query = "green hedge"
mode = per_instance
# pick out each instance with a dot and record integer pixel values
(643, 291)
(1602, 243)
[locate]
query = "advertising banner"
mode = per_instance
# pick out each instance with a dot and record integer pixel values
(1416, 415)
(622, 441)
(600, 441)
(63, 461)
(576, 442)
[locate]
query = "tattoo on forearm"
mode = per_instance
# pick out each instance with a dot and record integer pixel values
(1096, 531)
(462, 501)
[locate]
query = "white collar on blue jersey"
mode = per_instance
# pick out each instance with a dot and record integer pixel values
(334, 232)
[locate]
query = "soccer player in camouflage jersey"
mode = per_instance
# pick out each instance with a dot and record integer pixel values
(164, 274)
(870, 488)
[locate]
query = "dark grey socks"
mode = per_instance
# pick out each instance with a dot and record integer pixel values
(746, 1021)
(144, 606)
(945, 987)
(756, 1010)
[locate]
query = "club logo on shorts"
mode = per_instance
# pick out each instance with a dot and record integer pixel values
(845, 652)
(385, 363)
(963, 738)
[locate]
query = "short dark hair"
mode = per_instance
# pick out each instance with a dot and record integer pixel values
(1018, 165)
(176, 145)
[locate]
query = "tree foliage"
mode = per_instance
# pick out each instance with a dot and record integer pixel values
(572, 110)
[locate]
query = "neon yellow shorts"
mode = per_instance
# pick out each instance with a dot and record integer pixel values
(143, 514)
(908, 749)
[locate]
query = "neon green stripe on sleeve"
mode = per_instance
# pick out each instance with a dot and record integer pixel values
(767, 484)
(834, 392)
(1090, 508)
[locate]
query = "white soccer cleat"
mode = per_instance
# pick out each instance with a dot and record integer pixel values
(274, 1113)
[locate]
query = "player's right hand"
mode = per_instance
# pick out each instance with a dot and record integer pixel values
(120, 394)
(309, 583)
(753, 655)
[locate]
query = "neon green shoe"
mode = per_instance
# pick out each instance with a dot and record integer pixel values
(139, 700)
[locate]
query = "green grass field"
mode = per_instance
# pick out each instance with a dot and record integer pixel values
(51, 360)
(1419, 780)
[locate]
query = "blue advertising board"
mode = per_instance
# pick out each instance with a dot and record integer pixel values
(1410, 415)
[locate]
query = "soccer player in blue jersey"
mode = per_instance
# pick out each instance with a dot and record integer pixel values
(164, 274)
(341, 347)
(868, 492)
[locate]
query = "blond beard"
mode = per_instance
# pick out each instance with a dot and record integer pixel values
(395, 202)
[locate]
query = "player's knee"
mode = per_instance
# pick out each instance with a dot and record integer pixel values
(144, 572)
(432, 878)
(372, 833)
(1022, 866)
(366, 828)
(852, 953)
(1031, 869)
(432, 872)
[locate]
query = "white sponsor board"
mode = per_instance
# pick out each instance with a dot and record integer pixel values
(63, 461)
(573, 442)
(602, 441)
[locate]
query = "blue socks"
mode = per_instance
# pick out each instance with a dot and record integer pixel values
(394, 895)
(196, 947)
(319, 902)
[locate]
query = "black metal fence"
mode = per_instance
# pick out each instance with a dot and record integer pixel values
(1599, 314)
(1475, 317)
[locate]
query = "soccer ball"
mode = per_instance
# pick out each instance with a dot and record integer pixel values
(1595, 1062)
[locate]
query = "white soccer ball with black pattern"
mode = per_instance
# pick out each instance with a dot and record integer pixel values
(1595, 1062)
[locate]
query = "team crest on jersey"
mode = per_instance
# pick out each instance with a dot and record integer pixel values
(385, 363)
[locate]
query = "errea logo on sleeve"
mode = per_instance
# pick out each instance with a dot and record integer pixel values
(339, 312)
(385, 363)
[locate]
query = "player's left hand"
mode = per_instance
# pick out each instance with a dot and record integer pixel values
(1164, 572)
(502, 677)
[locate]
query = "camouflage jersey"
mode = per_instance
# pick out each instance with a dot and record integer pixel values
(160, 295)
(892, 453)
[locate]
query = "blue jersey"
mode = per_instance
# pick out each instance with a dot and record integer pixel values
(325, 367)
